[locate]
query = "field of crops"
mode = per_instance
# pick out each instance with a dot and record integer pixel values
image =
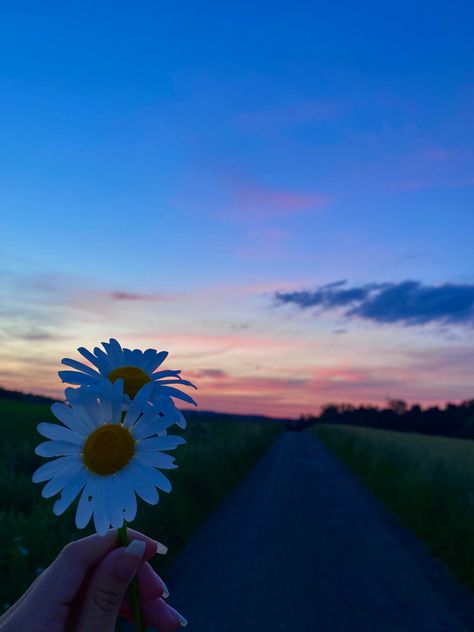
(217, 454)
(428, 482)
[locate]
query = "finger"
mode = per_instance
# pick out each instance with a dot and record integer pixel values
(150, 587)
(6, 615)
(107, 588)
(157, 614)
(150, 584)
(62, 580)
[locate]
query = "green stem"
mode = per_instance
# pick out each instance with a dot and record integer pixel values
(133, 588)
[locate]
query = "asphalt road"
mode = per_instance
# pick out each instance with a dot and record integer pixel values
(300, 545)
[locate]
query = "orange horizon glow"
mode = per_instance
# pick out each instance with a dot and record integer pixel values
(276, 398)
(245, 356)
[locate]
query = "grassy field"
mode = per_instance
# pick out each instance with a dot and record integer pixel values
(217, 455)
(428, 482)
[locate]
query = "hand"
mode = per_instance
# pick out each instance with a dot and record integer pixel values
(84, 589)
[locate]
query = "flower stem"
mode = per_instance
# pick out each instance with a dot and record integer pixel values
(133, 588)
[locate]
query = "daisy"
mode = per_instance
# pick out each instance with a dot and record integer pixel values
(102, 459)
(136, 368)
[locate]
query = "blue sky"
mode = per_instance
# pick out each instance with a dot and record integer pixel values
(167, 169)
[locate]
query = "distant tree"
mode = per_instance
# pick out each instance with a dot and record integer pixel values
(398, 406)
(455, 420)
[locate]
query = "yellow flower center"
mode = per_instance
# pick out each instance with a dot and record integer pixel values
(108, 449)
(133, 379)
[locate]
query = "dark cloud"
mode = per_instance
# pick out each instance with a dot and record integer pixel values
(38, 336)
(407, 302)
(134, 296)
(214, 373)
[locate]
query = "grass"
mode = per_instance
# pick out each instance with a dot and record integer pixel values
(217, 455)
(428, 482)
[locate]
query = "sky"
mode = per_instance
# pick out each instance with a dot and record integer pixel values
(279, 194)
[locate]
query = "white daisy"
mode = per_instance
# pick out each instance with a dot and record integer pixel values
(104, 460)
(136, 368)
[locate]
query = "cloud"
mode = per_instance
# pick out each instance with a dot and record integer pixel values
(269, 201)
(408, 302)
(134, 296)
(38, 336)
(210, 373)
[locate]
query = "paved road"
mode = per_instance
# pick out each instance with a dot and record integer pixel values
(301, 546)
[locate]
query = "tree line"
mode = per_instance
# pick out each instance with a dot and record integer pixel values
(453, 420)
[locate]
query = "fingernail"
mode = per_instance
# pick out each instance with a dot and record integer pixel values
(127, 563)
(136, 548)
(161, 548)
(182, 621)
(166, 592)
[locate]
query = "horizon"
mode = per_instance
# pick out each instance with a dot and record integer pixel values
(279, 196)
(190, 408)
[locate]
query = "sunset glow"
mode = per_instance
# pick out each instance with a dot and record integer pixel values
(284, 205)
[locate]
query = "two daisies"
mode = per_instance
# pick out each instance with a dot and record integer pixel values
(112, 441)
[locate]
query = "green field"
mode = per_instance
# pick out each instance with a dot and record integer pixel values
(428, 482)
(217, 455)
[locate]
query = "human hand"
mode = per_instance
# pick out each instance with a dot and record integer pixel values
(84, 589)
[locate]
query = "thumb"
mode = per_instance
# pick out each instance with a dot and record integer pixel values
(107, 588)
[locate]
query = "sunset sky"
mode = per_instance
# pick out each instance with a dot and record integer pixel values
(279, 194)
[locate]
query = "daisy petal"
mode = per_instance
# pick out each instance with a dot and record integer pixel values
(113, 502)
(114, 351)
(143, 487)
(177, 381)
(145, 392)
(115, 345)
(156, 459)
(61, 479)
(88, 355)
(66, 415)
(172, 392)
(59, 433)
(150, 425)
(159, 358)
(181, 421)
(169, 411)
(56, 448)
(84, 401)
(105, 406)
(160, 443)
(154, 476)
(161, 374)
(130, 506)
(69, 493)
(101, 519)
(74, 377)
(50, 469)
(125, 495)
(83, 368)
(138, 404)
(116, 397)
(137, 356)
(103, 362)
(85, 506)
(148, 360)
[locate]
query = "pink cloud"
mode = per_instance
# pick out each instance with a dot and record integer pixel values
(304, 392)
(202, 345)
(262, 201)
